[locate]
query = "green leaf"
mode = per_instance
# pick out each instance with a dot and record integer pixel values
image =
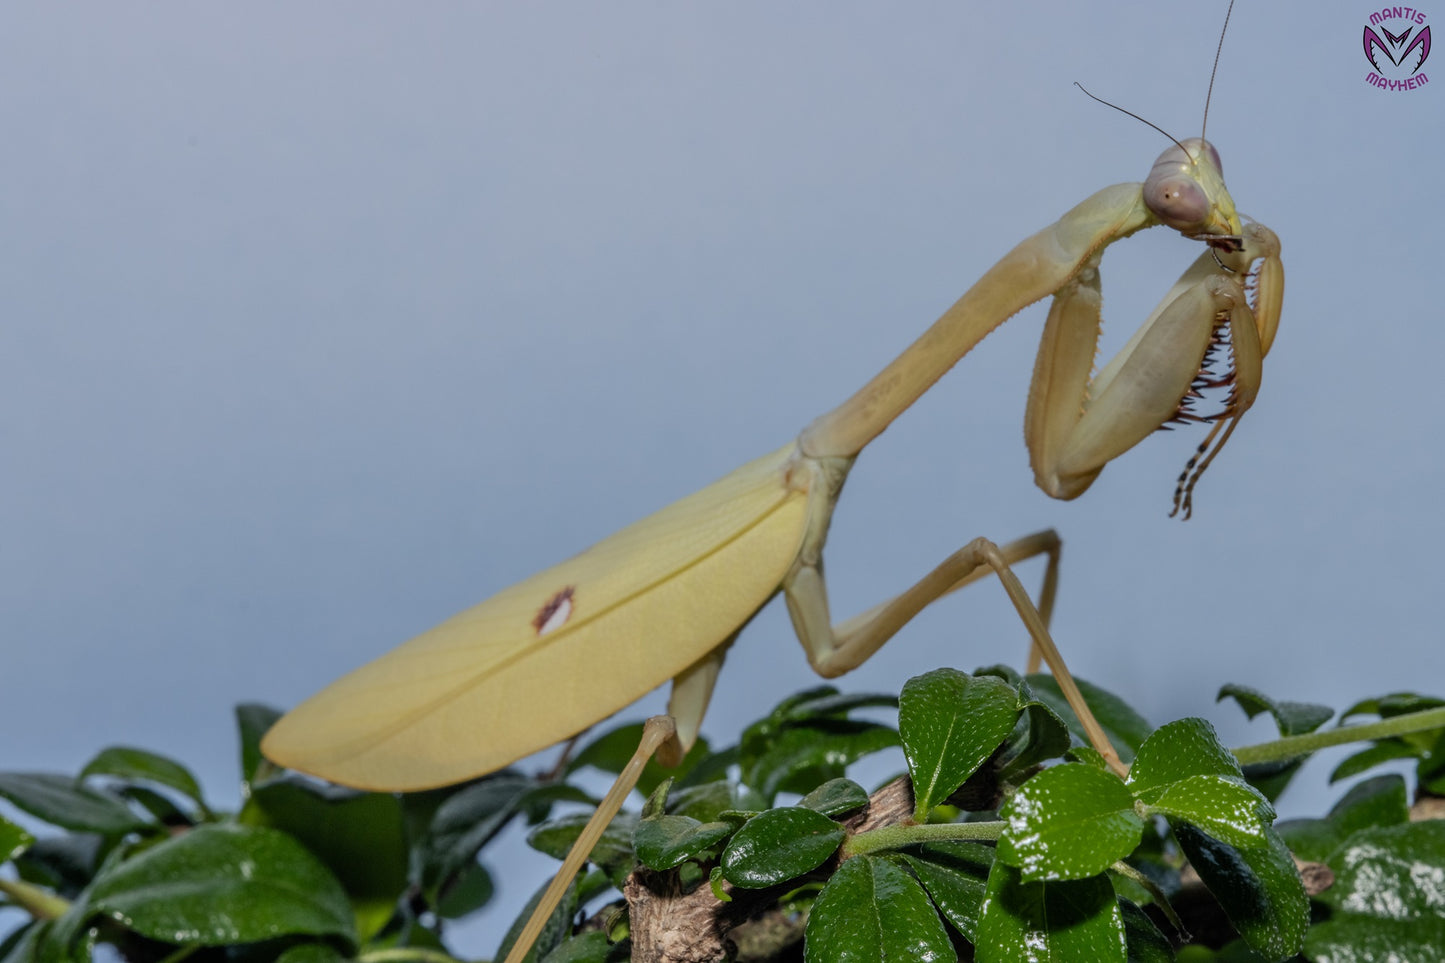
(469, 890)
(252, 722)
(1292, 718)
(705, 803)
(311, 953)
(1389, 706)
(665, 841)
(611, 750)
(801, 757)
(13, 840)
(1087, 755)
(124, 762)
(778, 845)
(1069, 822)
(64, 863)
(825, 702)
(1057, 921)
(470, 818)
(554, 932)
(1125, 728)
(950, 723)
(64, 802)
(613, 851)
(955, 873)
(1374, 802)
(1146, 943)
(656, 803)
(1388, 901)
(1225, 807)
(1041, 735)
(1174, 752)
(1271, 778)
(584, 948)
(358, 836)
(835, 797)
(871, 909)
(1386, 750)
(221, 884)
(1258, 888)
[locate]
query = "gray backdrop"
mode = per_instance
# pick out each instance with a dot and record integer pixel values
(325, 321)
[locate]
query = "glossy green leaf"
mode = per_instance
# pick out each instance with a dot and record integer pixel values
(799, 758)
(1069, 822)
(124, 762)
(873, 910)
(1388, 900)
(1271, 778)
(1146, 943)
(1374, 802)
(62, 801)
(1258, 888)
(955, 874)
(1125, 728)
(1225, 807)
(1382, 801)
(1041, 735)
(1058, 921)
(950, 723)
(613, 851)
(358, 836)
(14, 840)
(1292, 718)
(1087, 755)
(705, 802)
(470, 818)
(662, 842)
(221, 884)
(1174, 752)
(779, 845)
(835, 797)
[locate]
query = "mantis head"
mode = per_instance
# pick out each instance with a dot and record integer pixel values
(1185, 190)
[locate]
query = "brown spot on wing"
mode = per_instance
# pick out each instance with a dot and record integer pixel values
(556, 612)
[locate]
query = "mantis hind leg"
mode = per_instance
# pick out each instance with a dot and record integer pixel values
(834, 650)
(658, 736)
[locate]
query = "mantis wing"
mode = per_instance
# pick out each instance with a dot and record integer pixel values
(551, 655)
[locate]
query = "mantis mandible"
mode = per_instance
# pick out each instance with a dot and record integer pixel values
(665, 598)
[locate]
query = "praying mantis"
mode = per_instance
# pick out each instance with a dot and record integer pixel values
(665, 598)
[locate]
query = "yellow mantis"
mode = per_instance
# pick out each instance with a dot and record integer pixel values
(664, 598)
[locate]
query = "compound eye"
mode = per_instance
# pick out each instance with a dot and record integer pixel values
(1177, 200)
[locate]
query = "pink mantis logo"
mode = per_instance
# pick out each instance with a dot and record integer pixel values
(1397, 55)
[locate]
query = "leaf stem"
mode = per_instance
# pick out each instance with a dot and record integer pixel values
(1289, 747)
(1160, 900)
(896, 837)
(41, 904)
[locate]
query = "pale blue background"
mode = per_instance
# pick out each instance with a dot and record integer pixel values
(324, 321)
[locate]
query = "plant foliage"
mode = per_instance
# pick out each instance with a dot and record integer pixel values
(1007, 840)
